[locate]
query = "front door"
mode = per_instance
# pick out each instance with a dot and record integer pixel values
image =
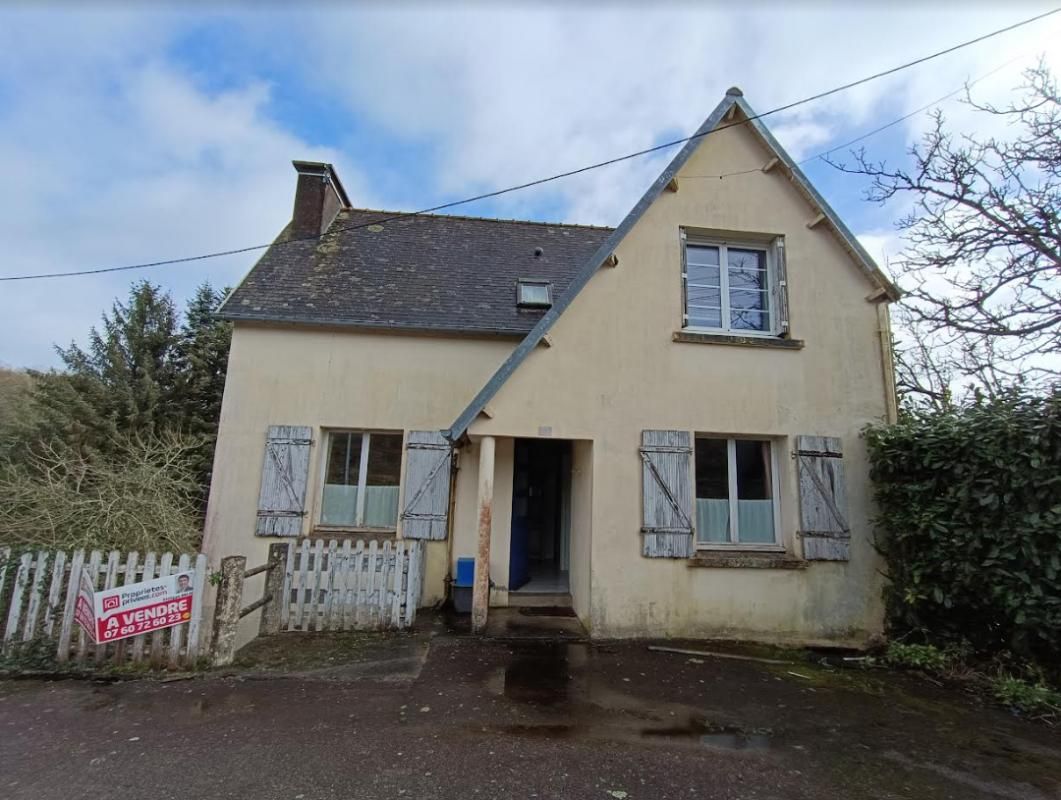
(518, 555)
(538, 559)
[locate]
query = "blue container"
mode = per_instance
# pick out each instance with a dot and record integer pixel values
(465, 572)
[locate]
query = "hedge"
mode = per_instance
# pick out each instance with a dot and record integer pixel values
(969, 523)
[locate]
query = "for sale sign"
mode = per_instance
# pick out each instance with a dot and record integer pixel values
(143, 607)
(84, 610)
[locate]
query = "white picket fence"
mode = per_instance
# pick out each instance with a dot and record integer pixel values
(328, 586)
(37, 614)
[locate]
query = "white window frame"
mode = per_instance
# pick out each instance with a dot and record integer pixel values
(731, 473)
(774, 327)
(362, 476)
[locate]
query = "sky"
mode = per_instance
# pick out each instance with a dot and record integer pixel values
(134, 132)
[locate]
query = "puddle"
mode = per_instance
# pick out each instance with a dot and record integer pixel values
(559, 731)
(723, 737)
(553, 677)
(697, 733)
(541, 674)
(547, 611)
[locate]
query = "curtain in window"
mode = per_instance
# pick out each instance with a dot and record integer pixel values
(755, 520)
(712, 520)
(381, 506)
(340, 506)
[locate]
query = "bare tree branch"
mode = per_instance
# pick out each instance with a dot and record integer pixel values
(982, 264)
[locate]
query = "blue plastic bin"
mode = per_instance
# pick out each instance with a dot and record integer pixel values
(465, 572)
(461, 591)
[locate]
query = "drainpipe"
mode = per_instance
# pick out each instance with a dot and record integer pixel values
(891, 397)
(450, 525)
(481, 589)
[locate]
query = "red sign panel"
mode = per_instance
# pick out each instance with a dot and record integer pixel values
(144, 619)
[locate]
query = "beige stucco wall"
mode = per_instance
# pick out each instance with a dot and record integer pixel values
(614, 370)
(336, 379)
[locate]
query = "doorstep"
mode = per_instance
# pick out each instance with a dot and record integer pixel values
(539, 599)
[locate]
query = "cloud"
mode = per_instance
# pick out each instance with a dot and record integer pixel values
(511, 94)
(117, 159)
(137, 135)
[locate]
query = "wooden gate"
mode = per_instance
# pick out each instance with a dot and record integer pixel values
(328, 586)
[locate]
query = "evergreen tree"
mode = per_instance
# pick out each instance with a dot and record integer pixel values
(202, 362)
(145, 373)
(125, 382)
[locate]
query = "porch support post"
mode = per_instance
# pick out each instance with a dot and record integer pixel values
(481, 588)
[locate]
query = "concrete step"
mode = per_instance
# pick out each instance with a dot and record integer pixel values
(539, 599)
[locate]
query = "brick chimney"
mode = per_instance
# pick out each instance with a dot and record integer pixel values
(319, 196)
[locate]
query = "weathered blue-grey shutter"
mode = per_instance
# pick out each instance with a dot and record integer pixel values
(666, 516)
(822, 499)
(779, 287)
(427, 484)
(285, 472)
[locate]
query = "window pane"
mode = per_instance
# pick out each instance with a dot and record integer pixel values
(749, 320)
(339, 504)
(712, 491)
(705, 276)
(534, 294)
(746, 299)
(745, 261)
(704, 317)
(747, 279)
(703, 255)
(755, 506)
(381, 483)
(703, 296)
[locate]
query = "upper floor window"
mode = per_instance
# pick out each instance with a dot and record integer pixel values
(732, 287)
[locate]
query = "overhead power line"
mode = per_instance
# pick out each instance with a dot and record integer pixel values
(875, 131)
(550, 178)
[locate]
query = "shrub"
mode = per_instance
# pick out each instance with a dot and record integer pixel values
(1025, 696)
(916, 656)
(140, 497)
(969, 522)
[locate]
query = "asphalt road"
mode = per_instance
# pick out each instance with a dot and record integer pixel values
(428, 716)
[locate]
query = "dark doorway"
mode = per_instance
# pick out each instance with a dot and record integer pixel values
(541, 516)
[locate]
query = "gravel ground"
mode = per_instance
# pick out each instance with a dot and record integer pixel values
(439, 715)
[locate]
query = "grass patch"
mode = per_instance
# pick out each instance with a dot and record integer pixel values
(1026, 696)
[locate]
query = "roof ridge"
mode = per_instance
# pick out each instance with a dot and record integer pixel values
(480, 219)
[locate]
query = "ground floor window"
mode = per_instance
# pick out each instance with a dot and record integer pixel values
(361, 479)
(736, 492)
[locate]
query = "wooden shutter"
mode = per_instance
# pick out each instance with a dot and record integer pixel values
(666, 517)
(822, 499)
(779, 291)
(427, 485)
(285, 472)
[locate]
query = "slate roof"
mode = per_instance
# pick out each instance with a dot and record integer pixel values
(427, 272)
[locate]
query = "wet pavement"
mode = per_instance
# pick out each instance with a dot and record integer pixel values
(437, 714)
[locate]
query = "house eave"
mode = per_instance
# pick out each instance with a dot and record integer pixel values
(337, 323)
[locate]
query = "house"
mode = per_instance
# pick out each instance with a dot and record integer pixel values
(657, 423)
